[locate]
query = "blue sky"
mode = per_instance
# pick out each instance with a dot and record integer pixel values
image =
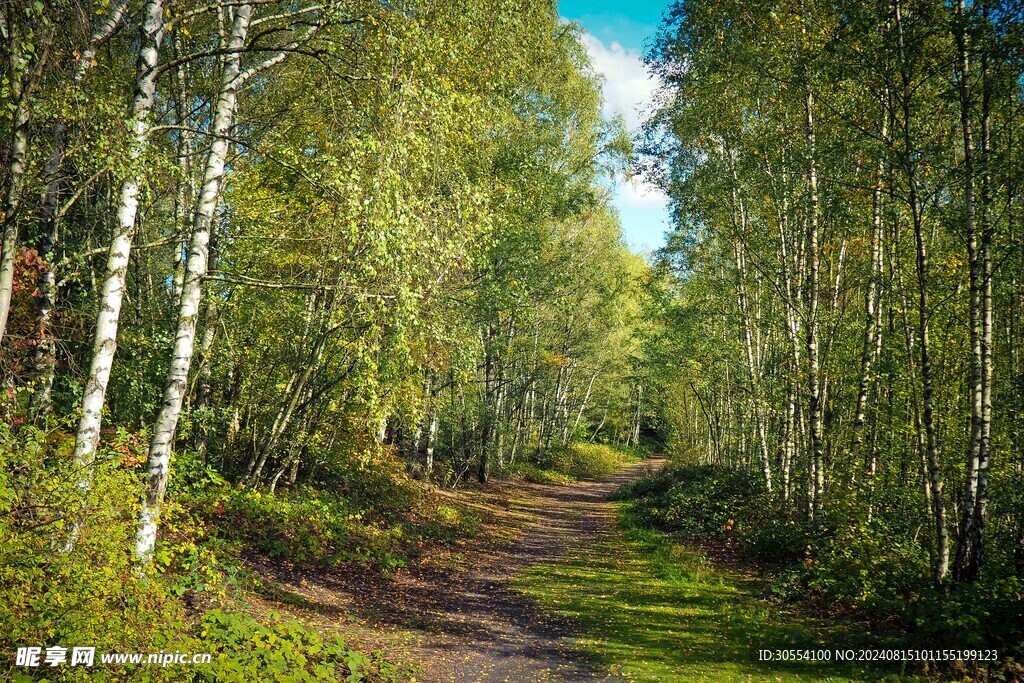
(616, 32)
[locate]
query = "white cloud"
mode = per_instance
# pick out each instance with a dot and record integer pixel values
(628, 90)
(627, 85)
(636, 193)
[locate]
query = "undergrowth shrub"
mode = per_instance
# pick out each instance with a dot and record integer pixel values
(696, 500)
(373, 480)
(364, 514)
(282, 651)
(881, 571)
(577, 461)
(538, 475)
(67, 577)
(867, 567)
(594, 460)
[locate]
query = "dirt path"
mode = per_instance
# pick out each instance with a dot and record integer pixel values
(470, 626)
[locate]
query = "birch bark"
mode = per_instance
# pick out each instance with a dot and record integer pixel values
(872, 345)
(814, 399)
(49, 284)
(151, 32)
(158, 462)
(968, 560)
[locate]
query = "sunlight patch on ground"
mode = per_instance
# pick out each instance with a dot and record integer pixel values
(656, 611)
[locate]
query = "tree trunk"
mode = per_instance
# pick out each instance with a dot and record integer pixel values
(87, 436)
(428, 464)
(489, 410)
(158, 463)
(204, 387)
(792, 272)
(872, 345)
(583, 405)
(968, 561)
(814, 398)
(941, 568)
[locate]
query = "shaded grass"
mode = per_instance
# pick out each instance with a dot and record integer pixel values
(654, 610)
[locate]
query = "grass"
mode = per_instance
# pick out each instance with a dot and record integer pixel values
(653, 610)
(563, 465)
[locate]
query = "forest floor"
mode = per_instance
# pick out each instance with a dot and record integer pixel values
(553, 588)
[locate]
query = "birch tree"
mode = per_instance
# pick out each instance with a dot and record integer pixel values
(151, 33)
(27, 35)
(159, 460)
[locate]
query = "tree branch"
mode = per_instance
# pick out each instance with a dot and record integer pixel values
(236, 279)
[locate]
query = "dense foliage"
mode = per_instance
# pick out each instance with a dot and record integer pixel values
(266, 263)
(841, 297)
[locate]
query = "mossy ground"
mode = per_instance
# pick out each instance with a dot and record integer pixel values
(653, 610)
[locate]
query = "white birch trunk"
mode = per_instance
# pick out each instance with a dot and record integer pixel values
(431, 442)
(872, 346)
(814, 402)
(158, 463)
(583, 405)
(20, 95)
(968, 561)
(105, 334)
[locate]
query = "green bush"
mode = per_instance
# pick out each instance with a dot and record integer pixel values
(282, 651)
(308, 527)
(695, 500)
(866, 566)
(592, 461)
(535, 474)
(577, 461)
(67, 576)
(384, 522)
(373, 480)
(775, 540)
(881, 571)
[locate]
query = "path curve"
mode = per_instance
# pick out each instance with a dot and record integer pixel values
(472, 626)
(506, 637)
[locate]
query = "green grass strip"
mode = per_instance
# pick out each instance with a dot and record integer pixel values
(653, 610)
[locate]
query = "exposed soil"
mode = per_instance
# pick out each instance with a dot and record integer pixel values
(461, 620)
